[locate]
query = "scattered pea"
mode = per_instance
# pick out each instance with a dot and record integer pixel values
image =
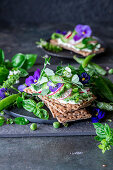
(110, 71)
(33, 126)
(56, 125)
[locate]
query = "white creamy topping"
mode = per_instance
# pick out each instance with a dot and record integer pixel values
(60, 42)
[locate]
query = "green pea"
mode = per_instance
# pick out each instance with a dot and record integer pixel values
(68, 86)
(110, 71)
(33, 126)
(56, 125)
(75, 90)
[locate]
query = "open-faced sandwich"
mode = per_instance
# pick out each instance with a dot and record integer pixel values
(65, 92)
(79, 41)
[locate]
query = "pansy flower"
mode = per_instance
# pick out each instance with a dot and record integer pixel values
(83, 31)
(33, 79)
(21, 87)
(61, 32)
(97, 115)
(84, 78)
(53, 87)
(3, 93)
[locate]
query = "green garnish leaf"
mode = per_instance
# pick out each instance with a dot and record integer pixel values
(49, 72)
(21, 121)
(75, 79)
(29, 105)
(1, 56)
(42, 114)
(104, 135)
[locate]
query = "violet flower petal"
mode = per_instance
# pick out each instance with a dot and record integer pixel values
(94, 119)
(21, 87)
(37, 74)
(29, 80)
(2, 93)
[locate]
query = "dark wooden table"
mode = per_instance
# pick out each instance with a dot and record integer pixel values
(48, 153)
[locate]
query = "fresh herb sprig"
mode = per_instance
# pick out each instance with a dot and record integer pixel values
(48, 46)
(104, 136)
(17, 120)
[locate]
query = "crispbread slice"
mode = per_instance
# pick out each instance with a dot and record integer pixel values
(70, 116)
(83, 53)
(64, 108)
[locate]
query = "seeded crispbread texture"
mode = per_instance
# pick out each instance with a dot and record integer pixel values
(83, 53)
(69, 116)
(64, 108)
(66, 112)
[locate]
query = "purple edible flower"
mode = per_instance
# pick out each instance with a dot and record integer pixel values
(84, 78)
(98, 114)
(83, 31)
(61, 32)
(21, 87)
(52, 87)
(3, 93)
(33, 79)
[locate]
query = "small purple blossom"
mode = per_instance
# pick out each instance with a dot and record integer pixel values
(2, 93)
(84, 78)
(83, 31)
(33, 79)
(98, 115)
(21, 87)
(61, 32)
(52, 87)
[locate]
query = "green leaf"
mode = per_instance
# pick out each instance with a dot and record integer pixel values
(23, 73)
(19, 102)
(30, 60)
(44, 92)
(18, 60)
(42, 114)
(103, 89)
(9, 121)
(49, 72)
(1, 56)
(40, 105)
(2, 120)
(75, 79)
(36, 87)
(21, 121)
(99, 130)
(3, 74)
(43, 80)
(107, 129)
(29, 105)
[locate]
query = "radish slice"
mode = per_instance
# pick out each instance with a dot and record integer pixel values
(86, 90)
(55, 91)
(66, 94)
(68, 34)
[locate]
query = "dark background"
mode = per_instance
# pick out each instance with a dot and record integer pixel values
(55, 11)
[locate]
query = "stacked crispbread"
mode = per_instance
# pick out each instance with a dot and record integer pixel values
(81, 52)
(65, 112)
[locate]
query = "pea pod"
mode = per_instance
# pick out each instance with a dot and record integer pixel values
(87, 60)
(105, 106)
(98, 68)
(6, 102)
(92, 65)
(56, 35)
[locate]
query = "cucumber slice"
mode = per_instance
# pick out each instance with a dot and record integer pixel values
(56, 79)
(80, 45)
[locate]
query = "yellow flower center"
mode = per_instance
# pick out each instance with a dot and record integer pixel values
(97, 114)
(83, 32)
(35, 81)
(83, 78)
